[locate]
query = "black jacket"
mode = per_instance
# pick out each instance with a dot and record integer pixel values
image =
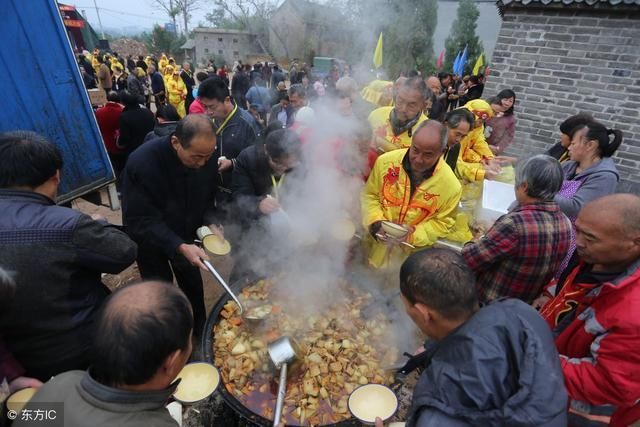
(277, 77)
(135, 124)
(57, 255)
(161, 129)
(276, 109)
(240, 84)
(239, 133)
(135, 87)
(189, 82)
(500, 368)
(164, 202)
(251, 181)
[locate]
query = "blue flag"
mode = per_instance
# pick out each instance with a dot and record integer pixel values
(455, 63)
(463, 60)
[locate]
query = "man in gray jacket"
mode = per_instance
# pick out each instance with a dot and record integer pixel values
(490, 366)
(143, 340)
(56, 256)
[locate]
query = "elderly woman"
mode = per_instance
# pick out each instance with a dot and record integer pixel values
(524, 248)
(591, 173)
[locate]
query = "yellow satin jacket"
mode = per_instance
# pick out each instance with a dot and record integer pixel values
(429, 212)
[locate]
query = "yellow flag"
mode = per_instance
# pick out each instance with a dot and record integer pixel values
(479, 64)
(377, 54)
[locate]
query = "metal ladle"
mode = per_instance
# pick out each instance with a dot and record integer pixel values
(255, 313)
(281, 352)
(220, 280)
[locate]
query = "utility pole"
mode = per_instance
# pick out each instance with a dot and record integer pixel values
(99, 20)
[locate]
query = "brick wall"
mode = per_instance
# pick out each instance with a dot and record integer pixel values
(564, 61)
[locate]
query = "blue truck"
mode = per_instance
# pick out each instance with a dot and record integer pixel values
(43, 91)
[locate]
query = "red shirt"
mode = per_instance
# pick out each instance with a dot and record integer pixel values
(197, 107)
(108, 118)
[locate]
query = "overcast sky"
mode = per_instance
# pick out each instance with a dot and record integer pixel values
(131, 13)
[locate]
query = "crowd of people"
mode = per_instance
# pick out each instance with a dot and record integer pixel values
(533, 323)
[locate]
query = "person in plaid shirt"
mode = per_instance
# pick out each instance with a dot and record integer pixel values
(524, 248)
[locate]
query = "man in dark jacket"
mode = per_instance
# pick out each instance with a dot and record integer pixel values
(189, 82)
(141, 344)
(168, 191)
(57, 256)
(236, 129)
(157, 86)
(277, 76)
(135, 123)
(491, 366)
(167, 119)
(240, 85)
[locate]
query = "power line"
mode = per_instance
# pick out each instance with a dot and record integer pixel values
(119, 12)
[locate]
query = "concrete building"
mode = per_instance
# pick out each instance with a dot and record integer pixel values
(227, 45)
(303, 29)
(562, 57)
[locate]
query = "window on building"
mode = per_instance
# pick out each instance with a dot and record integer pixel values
(219, 39)
(205, 37)
(236, 53)
(220, 52)
(206, 50)
(235, 40)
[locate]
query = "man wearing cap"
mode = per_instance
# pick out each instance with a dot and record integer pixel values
(474, 147)
(176, 91)
(412, 187)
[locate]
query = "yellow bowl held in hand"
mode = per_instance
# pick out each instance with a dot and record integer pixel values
(212, 243)
(215, 245)
(372, 400)
(198, 381)
(394, 230)
(17, 401)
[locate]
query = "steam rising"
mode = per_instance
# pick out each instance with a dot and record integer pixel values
(316, 198)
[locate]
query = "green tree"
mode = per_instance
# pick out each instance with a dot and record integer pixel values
(410, 36)
(160, 40)
(407, 27)
(463, 33)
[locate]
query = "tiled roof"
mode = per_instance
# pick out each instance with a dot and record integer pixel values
(569, 2)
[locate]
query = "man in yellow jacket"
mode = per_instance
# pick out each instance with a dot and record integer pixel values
(393, 125)
(474, 147)
(176, 91)
(415, 188)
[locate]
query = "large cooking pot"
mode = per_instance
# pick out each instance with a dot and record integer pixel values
(207, 350)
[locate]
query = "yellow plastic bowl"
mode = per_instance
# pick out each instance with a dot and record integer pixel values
(20, 398)
(372, 400)
(394, 230)
(216, 245)
(199, 381)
